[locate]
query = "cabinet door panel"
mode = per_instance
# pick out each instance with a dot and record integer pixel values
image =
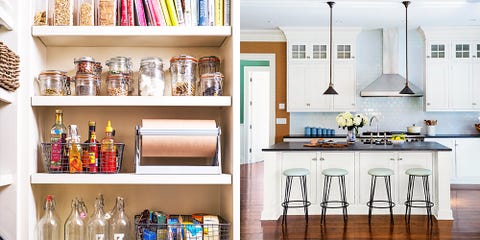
(316, 83)
(338, 160)
(460, 85)
(405, 162)
(467, 152)
(301, 160)
(344, 83)
(296, 87)
(476, 82)
(374, 160)
(436, 85)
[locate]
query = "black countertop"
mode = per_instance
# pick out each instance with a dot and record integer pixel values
(443, 135)
(358, 146)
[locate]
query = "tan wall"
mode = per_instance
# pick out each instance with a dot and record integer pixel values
(280, 51)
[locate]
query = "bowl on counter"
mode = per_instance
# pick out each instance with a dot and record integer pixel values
(397, 142)
(477, 126)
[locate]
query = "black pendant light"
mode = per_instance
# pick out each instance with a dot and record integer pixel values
(406, 89)
(330, 90)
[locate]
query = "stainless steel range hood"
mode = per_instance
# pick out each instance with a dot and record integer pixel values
(390, 83)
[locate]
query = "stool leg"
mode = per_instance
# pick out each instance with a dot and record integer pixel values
(326, 189)
(408, 209)
(288, 185)
(426, 191)
(389, 196)
(343, 192)
(303, 184)
(372, 193)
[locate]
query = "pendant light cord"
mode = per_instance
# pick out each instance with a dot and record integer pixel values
(331, 45)
(406, 3)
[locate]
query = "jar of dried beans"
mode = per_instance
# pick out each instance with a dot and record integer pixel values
(211, 84)
(52, 83)
(84, 10)
(121, 65)
(117, 85)
(151, 80)
(61, 12)
(85, 84)
(183, 70)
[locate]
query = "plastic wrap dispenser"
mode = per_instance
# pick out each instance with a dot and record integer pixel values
(154, 154)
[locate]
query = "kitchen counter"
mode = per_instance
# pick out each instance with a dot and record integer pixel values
(358, 146)
(455, 135)
(357, 159)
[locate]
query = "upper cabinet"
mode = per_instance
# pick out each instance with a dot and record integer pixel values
(308, 61)
(452, 69)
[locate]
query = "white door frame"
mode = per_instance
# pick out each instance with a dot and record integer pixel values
(271, 119)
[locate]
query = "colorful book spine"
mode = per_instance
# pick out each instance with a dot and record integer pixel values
(226, 12)
(194, 7)
(180, 17)
(158, 13)
(140, 13)
(164, 8)
(188, 13)
(148, 13)
(202, 12)
(211, 13)
(155, 19)
(172, 12)
(218, 12)
(124, 13)
(130, 15)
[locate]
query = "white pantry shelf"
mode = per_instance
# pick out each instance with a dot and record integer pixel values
(6, 180)
(121, 101)
(118, 36)
(6, 96)
(128, 178)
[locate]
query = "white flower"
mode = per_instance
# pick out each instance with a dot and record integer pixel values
(347, 115)
(349, 122)
(341, 121)
(357, 120)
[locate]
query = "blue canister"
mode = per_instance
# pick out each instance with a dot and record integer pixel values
(314, 132)
(324, 131)
(330, 132)
(308, 131)
(319, 131)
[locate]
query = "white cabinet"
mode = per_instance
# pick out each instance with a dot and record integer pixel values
(301, 160)
(436, 76)
(309, 69)
(467, 164)
(476, 75)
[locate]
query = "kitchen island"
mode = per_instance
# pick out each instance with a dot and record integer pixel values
(357, 159)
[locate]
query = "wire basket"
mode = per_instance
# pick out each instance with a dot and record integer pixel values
(56, 158)
(185, 231)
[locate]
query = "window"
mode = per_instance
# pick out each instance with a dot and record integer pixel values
(319, 51)
(343, 51)
(462, 51)
(299, 52)
(437, 50)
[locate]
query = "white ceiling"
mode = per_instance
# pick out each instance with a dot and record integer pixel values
(270, 14)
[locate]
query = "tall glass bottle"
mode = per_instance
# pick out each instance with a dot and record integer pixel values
(55, 138)
(91, 153)
(119, 223)
(48, 227)
(108, 154)
(74, 151)
(75, 226)
(98, 225)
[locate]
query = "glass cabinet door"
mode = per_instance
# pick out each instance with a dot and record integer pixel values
(298, 51)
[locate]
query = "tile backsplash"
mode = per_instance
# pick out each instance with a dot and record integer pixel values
(394, 113)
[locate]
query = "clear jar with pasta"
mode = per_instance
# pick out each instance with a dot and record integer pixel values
(208, 64)
(107, 12)
(41, 13)
(183, 71)
(211, 84)
(117, 85)
(85, 84)
(121, 65)
(85, 12)
(52, 83)
(61, 12)
(151, 81)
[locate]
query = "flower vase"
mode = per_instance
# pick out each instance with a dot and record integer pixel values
(351, 136)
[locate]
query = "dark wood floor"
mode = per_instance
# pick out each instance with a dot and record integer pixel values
(465, 204)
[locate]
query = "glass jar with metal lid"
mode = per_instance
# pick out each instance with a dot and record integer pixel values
(85, 84)
(208, 64)
(117, 85)
(183, 70)
(98, 73)
(85, 64)
(52, 83)
(151, 81)
(211, 84)
(121, 65)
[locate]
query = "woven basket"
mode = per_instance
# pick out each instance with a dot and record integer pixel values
(9, 68)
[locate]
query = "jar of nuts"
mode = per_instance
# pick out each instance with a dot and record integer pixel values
(61, 12)
(85, 84)
(121, 65)
(52, 83)
(183, 69)
(151, 80)
(211, 84)
(84, 10)
(117, 85)
(85, 64)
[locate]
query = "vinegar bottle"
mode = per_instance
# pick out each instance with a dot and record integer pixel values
(75, 226)
(119, 223)
(74, 151)
(49, 225)
(97, 225)
(107, 151)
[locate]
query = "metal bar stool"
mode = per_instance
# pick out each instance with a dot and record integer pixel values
(302, 174)
(385, 173)
(326, 203)
(426, 203)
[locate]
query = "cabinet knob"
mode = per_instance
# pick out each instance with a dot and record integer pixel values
(392, 159)
(308, 104)
(308, 57)
(474, 104)
(353, 104)
(428, 104)
(400, 159)
(322, 159)
(314, 159)
(474, 56)
(428, 56)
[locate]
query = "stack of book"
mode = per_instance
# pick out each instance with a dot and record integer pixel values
(173, 13)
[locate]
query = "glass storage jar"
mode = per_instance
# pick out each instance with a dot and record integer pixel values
(151, 80)
(61, 12)
(107, 12)
(121, 65)
(85, 64)
(52, 83)
(211, 84)
(208, 64)
(40, 18)
(84, 12)
(98, 73)
(85, 84)
(183, 70)
(117, 85)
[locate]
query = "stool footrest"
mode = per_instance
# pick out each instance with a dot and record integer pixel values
(296, 204)
(387, 204)
(334, 204)
(419, 204)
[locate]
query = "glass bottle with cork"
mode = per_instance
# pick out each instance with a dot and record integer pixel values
(119, 223)
(74, 151)
(56, 140)
(108, 154)
(98, 225)
(48, 227)
(74, 228)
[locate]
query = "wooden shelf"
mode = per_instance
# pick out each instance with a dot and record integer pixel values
(5, 16)
(6, 180)
(128, 178)
(112, 101)
(6, 96)
(117, 36)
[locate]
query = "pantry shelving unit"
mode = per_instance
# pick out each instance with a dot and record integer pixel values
(56, 47)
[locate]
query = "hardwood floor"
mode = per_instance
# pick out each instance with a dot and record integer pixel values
(465, 205)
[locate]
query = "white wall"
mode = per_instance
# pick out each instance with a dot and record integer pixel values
(396, 113)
